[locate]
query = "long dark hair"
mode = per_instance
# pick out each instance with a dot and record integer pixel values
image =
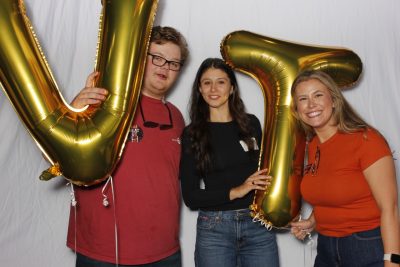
(198, 130)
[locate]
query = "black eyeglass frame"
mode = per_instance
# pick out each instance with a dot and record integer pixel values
(152, 124)
(166, 61)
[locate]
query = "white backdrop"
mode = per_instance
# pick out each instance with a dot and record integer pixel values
(34, 214)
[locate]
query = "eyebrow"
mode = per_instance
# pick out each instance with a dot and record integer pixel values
(217, 78)
(163, 56)
(299, 96)
(316, 91)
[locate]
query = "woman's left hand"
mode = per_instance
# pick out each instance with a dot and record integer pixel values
(258, 180)
(300, 229)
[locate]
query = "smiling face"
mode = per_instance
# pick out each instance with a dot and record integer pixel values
(314, 106)
(216, 87)
(158, 80)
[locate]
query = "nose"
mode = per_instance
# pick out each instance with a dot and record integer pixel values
(213, 86)
(310, 103)
(165, 66)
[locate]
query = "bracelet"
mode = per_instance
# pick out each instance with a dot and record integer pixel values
(395, 258)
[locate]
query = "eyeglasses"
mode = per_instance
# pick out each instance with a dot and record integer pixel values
(152, 124)
(313, 168)
(160, 61)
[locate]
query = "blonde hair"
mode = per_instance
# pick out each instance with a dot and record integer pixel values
(346, 118)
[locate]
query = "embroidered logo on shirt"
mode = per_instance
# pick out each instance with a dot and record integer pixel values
(178, 140)
(246, 148)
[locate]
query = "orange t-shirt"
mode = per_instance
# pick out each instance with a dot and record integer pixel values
(342, 199)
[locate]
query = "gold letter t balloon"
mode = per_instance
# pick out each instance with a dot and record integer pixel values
(85, 146)
(275, 64)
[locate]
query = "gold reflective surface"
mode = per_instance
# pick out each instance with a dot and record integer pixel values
(274, 64)
(84, 146)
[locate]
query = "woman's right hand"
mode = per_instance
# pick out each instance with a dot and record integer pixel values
(258, 180)
(90, 95)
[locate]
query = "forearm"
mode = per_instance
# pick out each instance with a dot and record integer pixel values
(390, 229)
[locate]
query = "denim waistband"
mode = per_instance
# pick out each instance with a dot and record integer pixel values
(367, 233)
(226, 213)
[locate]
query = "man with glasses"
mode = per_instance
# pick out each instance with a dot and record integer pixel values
(140, 225)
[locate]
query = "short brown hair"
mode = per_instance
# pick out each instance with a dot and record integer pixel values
(162, 35)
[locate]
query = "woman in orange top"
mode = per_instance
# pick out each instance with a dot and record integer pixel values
(350, 180)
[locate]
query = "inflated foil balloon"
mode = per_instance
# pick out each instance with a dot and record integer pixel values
(275, 64)
(83, 146)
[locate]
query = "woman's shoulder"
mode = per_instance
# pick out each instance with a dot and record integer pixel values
(368, 139)
(371, 147)
(254, 122)
(255, 126)
(185, 131)
(366, 135)
(185, 137)
(372, 135)
(253, 118)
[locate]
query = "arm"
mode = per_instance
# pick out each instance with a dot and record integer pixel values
(258, 180)
(193, 196)
(381, 178)
(196, 197)
(90, 95)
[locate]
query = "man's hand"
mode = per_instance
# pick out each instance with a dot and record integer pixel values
(90, 95)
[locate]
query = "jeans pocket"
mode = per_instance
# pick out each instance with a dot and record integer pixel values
(374, 234)
(206, 222)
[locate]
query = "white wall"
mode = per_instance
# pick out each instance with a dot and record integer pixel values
(34, 214)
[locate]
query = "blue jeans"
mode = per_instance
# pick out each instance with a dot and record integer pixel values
(357, 250)
(172, 261)
(231, 239)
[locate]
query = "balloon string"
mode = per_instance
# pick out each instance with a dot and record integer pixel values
(308, 240)
(308, 245)
(105, 204)
(73, 204)
(105, 198)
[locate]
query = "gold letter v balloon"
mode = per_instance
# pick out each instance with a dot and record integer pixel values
(84, 146)
(275, 64)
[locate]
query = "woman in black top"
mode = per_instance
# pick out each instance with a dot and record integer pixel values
(220, 148)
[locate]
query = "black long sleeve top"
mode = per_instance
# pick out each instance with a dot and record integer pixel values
(231, 166)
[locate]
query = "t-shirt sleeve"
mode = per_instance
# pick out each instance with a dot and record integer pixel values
(373, 147)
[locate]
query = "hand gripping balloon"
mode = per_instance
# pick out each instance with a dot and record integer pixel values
(275, 64)
(83, 146)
